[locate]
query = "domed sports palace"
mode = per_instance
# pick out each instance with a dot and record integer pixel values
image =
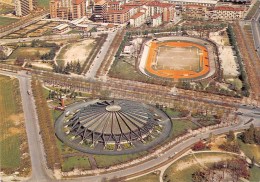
(113, 126)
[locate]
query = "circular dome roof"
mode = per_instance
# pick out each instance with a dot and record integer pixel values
(112, 121)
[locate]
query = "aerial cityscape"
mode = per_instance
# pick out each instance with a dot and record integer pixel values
(130, 90)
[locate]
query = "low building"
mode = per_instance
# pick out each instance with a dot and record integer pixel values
(62, 28)
(137, 20)
(208, 3)
(129, 49)
(228, 12)
(156, 20)
(195, 11)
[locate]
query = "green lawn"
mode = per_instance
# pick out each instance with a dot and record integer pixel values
(10, 133)
(126, 71)
(109, 160)
(254, 174)
(43, 4)
(6, 21)
(172, 113)
(79, 162)
(5, 9)
(181, 126)
(29, 52)
(146, 178)
(250, 150)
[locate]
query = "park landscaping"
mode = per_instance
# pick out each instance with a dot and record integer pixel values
(152, 177)
(43, 4)
(13, 141)
(182, 169)
(29, 53)
(104, 161)
(6, 21)
(76, 162)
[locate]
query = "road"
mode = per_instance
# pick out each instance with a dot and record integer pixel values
(100, 56)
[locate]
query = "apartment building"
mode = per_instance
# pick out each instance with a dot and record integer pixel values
(118, 16)
(99, 10)
(67, 10)
(24, 7)
(166, 9)
(156, 20)
(137, 20)
(78, 9)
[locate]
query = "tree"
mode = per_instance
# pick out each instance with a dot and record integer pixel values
(78, 68)
(199, 146)
(248, 136)
(257, 136)
(231, 135)
(252, 162)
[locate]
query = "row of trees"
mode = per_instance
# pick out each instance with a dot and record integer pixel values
(73, 67)
(243, 75)
(46, 126)
(207, 26)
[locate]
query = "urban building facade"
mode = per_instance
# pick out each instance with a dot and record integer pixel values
(24, 7)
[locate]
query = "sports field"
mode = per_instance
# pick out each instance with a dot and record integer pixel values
(176, 59)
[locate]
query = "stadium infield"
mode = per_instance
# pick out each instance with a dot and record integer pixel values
(177, 59)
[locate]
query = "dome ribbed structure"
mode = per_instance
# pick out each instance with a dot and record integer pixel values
(116, 122)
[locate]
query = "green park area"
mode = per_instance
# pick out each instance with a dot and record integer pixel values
(146, 178)
(43, 4)
(11, 121)
(29, 52)
(78, 162)
(182, 169)
(6, 20)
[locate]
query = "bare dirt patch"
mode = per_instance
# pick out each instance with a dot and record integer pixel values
(228, 62)
(78, 51)
(178, 58)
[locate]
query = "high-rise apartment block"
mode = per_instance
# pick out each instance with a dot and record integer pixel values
(67, 9)
(24, 7)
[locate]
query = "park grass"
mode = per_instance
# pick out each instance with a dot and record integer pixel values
(185, 174)
(146, 178)
(254, 174)
(5, 9)
(181, 126)
(104, 161)
(43, 4)
(78, 162)
(6, 21)
(10, 133)
(172, 113)
(125, 71)
(250, 150)
(29, 52)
